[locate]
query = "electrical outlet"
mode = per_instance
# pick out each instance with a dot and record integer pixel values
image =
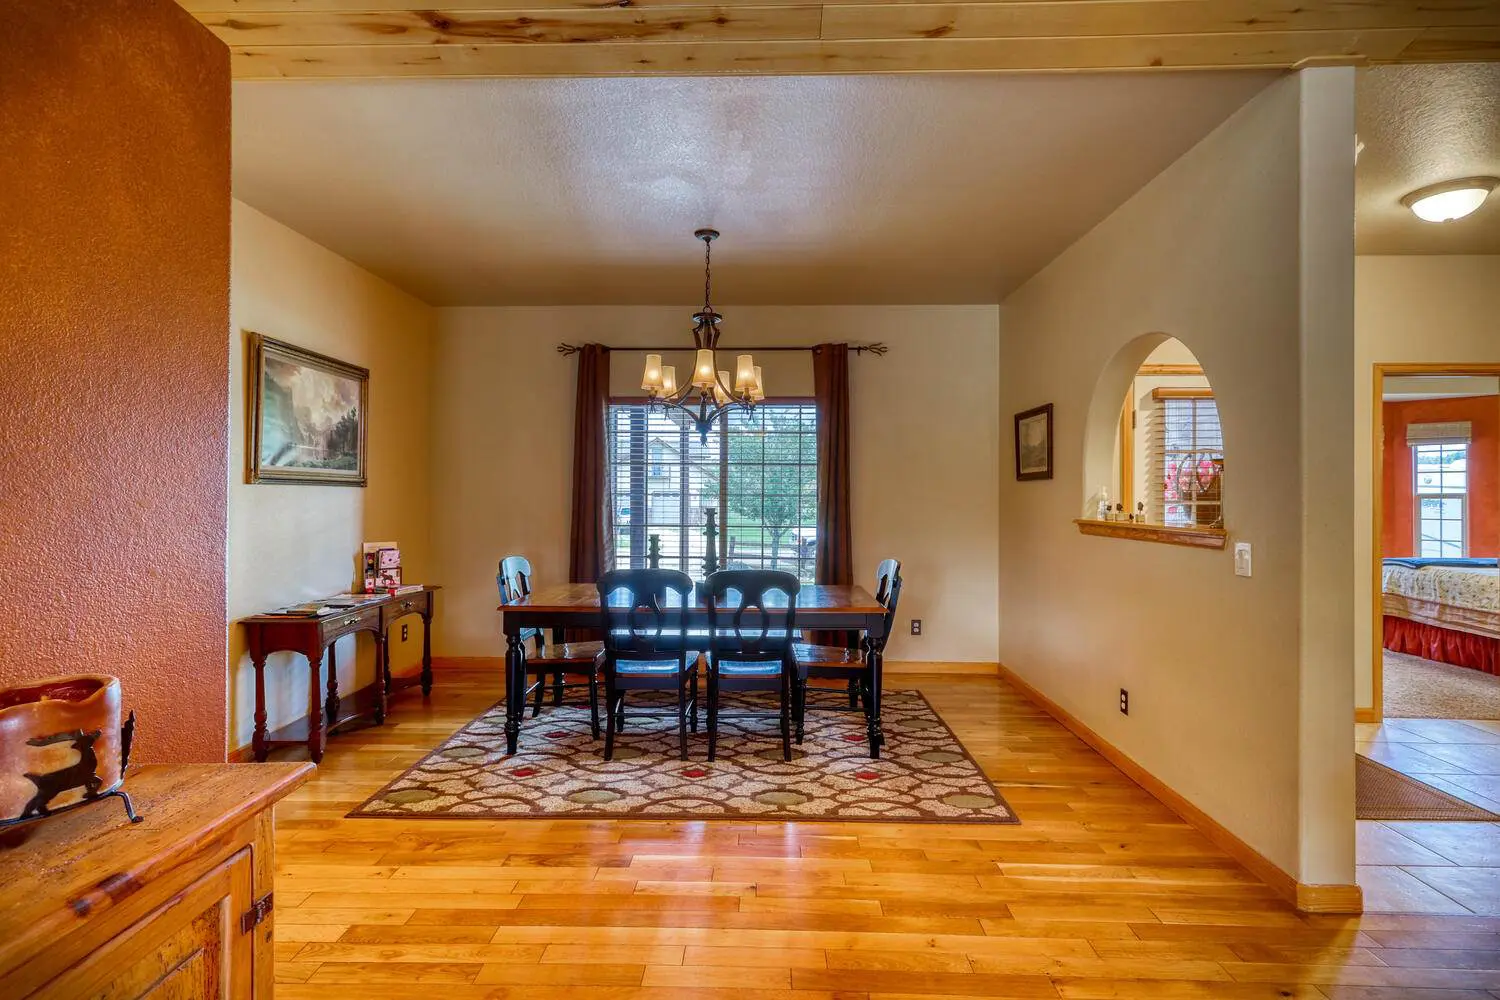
(1242, 558)
(916, 626)
(1124, 702)
(403, 631)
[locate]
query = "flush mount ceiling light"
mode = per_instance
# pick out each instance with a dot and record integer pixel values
(1451, 199)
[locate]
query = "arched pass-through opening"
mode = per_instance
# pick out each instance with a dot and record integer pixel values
(1153, 463)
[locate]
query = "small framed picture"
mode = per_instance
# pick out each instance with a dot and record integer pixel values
(1034, 443)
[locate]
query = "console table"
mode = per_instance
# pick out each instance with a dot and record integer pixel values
(312, 636)
(178, 905)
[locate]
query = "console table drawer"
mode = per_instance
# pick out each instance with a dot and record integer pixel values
(406, 604)
(353, 621)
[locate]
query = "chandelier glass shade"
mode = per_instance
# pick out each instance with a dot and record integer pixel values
(712, 391)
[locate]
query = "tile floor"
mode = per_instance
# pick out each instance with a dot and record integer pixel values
(1434, 867)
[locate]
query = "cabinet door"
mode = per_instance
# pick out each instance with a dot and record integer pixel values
(191, 948)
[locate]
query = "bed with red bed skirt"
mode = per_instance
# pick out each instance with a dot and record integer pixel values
(1443, 612)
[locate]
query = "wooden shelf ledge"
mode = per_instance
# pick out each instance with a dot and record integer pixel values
(1203, 538)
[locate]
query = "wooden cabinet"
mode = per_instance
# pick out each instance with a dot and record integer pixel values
(176, 907)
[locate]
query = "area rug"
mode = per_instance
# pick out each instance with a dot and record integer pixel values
(1382, 793)
(1425, 689)
(924, 773)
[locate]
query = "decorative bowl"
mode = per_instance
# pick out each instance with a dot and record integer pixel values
(61, 745)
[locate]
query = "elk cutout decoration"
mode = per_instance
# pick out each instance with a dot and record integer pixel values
(73, 724)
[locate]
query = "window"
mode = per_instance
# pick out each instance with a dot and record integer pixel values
(759, 470)
(1188, 447)
(1441, 480)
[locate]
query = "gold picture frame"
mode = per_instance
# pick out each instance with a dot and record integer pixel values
(308, 416)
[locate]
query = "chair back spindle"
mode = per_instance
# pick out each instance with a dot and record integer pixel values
(888, 590)
(758, 625)
(647, 623)
(514, 578)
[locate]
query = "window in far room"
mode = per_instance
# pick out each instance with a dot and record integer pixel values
(1188, 448)
(1441, 479)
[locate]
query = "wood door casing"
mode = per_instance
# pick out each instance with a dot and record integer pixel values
(189, 947)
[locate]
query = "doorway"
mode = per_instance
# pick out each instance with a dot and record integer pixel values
(1428, 756)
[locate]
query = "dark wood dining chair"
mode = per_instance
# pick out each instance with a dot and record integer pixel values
(646, 647)
(853, 665)
(556, 661)
(751, 615)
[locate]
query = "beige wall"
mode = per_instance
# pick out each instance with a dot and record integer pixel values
(1235, 702)
(290, 543)
(925, 457)
(1409, 309)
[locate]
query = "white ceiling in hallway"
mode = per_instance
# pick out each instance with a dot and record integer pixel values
(1421, 125)
(832, 189)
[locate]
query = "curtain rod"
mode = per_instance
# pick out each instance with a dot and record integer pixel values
(566, 349)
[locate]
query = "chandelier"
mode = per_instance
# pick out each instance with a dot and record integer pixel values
(708, 394)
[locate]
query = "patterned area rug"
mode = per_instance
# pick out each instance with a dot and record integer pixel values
(1383, 793)
(924, 774)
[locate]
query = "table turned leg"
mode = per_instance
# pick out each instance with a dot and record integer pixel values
(877, 681)
(331, 706)
(258, 741)
(382, 662)
(382, 654)
(317, 736)
(515, 688)
(427, 654)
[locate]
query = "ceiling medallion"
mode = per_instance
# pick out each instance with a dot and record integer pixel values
(708, 394)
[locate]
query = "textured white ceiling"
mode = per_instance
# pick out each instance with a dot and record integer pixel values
(1422, 124)
(832, 189)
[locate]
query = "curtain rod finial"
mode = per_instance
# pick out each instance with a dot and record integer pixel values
(566, 349)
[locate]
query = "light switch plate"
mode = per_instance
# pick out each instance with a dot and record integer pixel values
(1241, 558)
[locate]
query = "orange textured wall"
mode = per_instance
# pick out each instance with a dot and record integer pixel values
(1398, 530)
(114, 302)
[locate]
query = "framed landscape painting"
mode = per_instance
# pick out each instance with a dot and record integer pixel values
(1034, 443)
(307, 420)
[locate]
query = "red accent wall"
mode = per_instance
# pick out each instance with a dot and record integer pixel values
(114, 309)
(1398, 532)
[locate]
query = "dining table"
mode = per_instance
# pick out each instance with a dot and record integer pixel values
(575, 606)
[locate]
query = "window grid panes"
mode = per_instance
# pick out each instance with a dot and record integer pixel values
(759, 470)
(1440, 479)
(1192, 456)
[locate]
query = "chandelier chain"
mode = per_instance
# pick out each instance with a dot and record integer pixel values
(708, 251)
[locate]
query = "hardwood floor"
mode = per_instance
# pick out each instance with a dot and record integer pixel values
(1101, 892)
(1434, 867)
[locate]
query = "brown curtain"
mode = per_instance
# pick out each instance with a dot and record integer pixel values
(589, 549)
(835, 538)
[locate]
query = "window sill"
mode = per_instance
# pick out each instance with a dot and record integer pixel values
(1203, 538)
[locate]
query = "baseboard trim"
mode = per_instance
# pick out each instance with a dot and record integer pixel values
(1329, 898)
(952, 667)
(1306, 898)
(468, 662)
(243, 755)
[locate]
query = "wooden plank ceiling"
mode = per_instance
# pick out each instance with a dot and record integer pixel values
(482, 38)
